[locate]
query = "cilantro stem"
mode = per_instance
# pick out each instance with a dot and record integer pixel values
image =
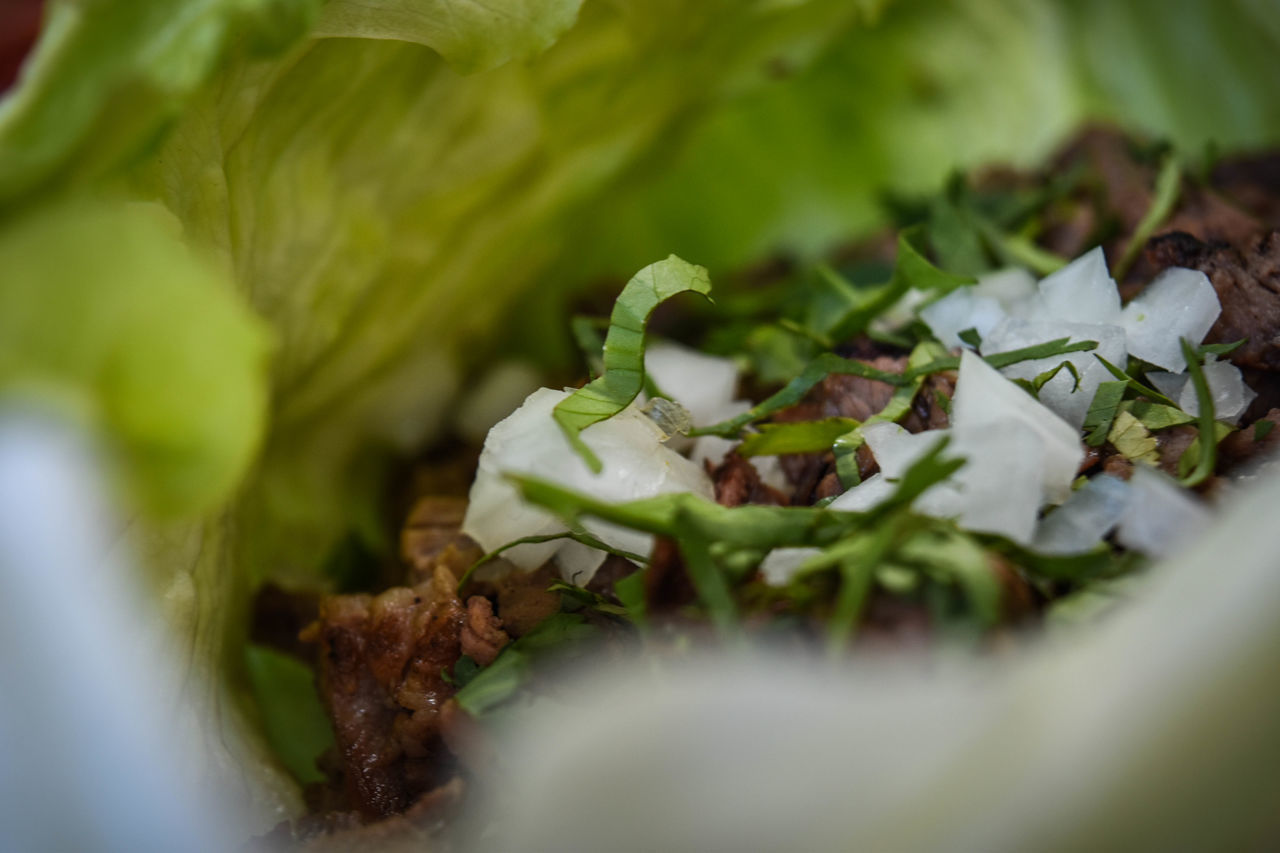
(1208, 434)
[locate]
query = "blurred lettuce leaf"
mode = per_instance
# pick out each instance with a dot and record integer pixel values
(471, 35)
(106, 314)
(381, 210)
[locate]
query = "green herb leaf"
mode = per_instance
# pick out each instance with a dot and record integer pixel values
(1156, 416)
(1190, 457)
(795, 437)
(951, 554)
(515, 664)
(1102, 411)
(1207, 452)
(630, 592)
(912, 269)
(971, 337)
(1221, 349)
(623, 376)
(1048, 349)
(1128, 435)
(1137, 386)
(1262, 429)
(293, 719)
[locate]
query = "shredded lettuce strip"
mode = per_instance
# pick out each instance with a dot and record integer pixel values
(623, 361)
(374, 212)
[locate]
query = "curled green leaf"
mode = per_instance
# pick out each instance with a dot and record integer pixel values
(623, 376)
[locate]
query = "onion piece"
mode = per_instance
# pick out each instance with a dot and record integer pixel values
(1081, 292)
(984, 398)
(1160, 516)
(1179, 303)
(1088, 515)
(529, 441)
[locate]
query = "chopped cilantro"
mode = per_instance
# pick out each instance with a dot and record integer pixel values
(623, 376)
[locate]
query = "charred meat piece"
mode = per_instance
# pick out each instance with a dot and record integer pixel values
(1247, 279)
(382, 666)
(738, 482)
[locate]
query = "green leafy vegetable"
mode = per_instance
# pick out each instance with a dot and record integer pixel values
(501, 680)
(959, 557)
(296, 724)
(971, 337)
(106, 315)
(795, 437)
(1128, 435)
(912, 270)
(1102, 411)
(1168, 186)
(1221, 349)
(1207, 452)
(1138, 387)
(623, 376)
(1156, 416)
(1262, 428)
(468, 33)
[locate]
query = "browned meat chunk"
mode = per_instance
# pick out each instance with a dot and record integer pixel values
(738, 482)
(382, 667)
(482, 635)
(1255, 442)
(1247, 280)
(432, 537)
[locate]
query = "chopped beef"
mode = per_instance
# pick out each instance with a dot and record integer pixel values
(1247, 280)
(737, 482)
(1244, 447)
(1118, 466)
(1172, 443)
(382, 666)
(1252, 182)
(523, 598)
(482, 635)
(432, 538)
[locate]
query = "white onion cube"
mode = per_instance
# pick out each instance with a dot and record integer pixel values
(529, 441)
(1061, 394)
(984, 398)
(1089, 514)
(1160, 516)
(1179, 303)
(702, 383)
(1082, 292)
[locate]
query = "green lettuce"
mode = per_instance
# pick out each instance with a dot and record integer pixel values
(374, 185)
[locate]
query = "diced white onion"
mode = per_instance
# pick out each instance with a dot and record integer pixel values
(1089, 514)
(1179, 303)
(984, 398)
(781, 563)
(702, 383)
(1160, 516)
(529, 441)
(1081, 292)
